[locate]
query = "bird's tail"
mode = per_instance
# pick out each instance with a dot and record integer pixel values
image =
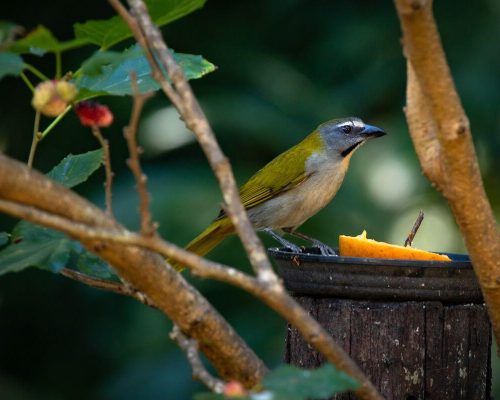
(207, 240)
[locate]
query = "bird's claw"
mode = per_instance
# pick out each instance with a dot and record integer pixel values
(324, 249)
(293, 248)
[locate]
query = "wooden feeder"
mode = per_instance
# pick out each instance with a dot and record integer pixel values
(418, 329)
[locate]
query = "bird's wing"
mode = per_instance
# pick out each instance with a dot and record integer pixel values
(284, 173)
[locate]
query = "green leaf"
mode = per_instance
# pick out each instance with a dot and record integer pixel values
(292, 383)
(4, 238)
(109, 72)
(38, 42)
(75, 169)
(93, 265)
(106, 33)
(36, 246)
(10, 64)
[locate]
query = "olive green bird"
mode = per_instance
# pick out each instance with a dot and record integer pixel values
(294, 186)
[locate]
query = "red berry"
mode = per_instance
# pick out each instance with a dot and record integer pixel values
(92, 113)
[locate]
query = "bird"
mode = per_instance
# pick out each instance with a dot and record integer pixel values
(294, 186)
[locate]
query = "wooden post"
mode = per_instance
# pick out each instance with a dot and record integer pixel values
(432, 343)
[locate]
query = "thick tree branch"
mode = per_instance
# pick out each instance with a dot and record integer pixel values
(423, 130)
(145, 271)
(459, 180)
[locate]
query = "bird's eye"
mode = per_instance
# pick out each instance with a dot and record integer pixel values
(346, 129)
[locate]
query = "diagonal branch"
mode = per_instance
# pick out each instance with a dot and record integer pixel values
(181, 95)
(274, 296)
(268, 286)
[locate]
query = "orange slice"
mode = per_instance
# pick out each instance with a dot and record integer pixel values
(360, 246)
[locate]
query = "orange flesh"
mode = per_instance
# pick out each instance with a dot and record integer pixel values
(360, 246)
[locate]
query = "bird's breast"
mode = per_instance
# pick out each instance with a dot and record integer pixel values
(295, 206)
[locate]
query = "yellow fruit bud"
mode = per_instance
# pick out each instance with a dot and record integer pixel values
(43, 94)
(52, 97)
(66, 90)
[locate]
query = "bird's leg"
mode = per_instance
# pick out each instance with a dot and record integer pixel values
(324, 249)
(285, 243)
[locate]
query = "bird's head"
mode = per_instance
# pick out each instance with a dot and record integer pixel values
(343, 136)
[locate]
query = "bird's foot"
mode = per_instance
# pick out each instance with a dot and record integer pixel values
(285, 243)
(324, 249)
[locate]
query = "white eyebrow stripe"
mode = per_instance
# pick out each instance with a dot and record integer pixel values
(357, 124)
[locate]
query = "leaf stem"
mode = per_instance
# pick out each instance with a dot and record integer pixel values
(36, 139)
(58, 64)
(27, 81)
(55, 122)
(36, 72)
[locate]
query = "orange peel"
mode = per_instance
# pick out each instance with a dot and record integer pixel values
(361, 246)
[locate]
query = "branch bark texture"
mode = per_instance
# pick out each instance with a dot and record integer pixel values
(442, 137)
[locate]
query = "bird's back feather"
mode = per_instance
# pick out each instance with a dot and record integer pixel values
(274, 179)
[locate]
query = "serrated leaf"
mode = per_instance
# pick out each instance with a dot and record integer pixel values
(106, 33)
(292, 383)
(38, 42)
(10, 64)
(110, 73)
(93, 265)
(36, 246)
(75, 169)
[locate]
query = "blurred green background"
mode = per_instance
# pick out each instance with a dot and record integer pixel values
(284, 67)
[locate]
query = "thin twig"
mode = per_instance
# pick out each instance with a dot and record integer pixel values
(181, 95)
(107, 166)
(56, 121)
(148, 228)
(190, 347)
(114, 287)
(36, 139)
(413, 232)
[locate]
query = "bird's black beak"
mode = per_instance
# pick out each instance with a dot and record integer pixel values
(370, 131)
